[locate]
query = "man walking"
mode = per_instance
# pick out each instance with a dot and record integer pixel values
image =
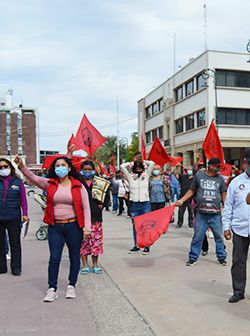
(236, 220)
(185, 184)
(210, 190)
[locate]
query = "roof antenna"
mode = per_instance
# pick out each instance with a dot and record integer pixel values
(205, 24)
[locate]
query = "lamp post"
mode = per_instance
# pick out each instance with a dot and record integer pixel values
(126, 140)
(206, 74)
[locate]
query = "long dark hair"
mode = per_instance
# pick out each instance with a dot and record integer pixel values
(72, 173)
(12, 168)
(138, 164)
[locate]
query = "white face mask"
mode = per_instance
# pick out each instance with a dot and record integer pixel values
(5, 172)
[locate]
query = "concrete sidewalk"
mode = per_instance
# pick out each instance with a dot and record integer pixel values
(173, 298)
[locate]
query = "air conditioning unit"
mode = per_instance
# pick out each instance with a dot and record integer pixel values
(166, 143)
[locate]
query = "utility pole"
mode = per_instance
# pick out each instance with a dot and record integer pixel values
(118, 136)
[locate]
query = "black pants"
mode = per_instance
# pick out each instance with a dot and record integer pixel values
(121, 205)
(14, 229)
(181, 212)
(156, 206)
(239, 265)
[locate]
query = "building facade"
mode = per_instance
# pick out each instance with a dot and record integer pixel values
(17, 130)
(215, 85)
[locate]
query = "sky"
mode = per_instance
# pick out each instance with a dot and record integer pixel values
(98, 57)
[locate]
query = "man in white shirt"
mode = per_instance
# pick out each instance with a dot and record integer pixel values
(236, 220)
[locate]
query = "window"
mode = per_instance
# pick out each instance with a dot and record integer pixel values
(148, 138)
(200, 82)
(201, 118)
(154, 134)
(233, 78)
(179, 126)
(190, 122)
(160, 132)
(160, 104)
(189, 88)
(154, 108)
(179, 94)
(148, 112)
(230, 116)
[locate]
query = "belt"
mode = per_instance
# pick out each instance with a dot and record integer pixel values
(65, 221)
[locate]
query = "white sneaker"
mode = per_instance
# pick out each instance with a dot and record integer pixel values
(70, 292)
(8, 258)
(50, 296)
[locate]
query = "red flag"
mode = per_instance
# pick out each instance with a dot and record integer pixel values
(88, 137)
(112, 169)
(76, 160)
(72, 141)
(158, 153)
(212, 145)
(103, 171)
(225, 169)
(175, 160)
(143, 148)
(150, 226)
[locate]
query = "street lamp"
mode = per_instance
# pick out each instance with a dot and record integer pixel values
(126, 140)
(248, 50)
(206, 74)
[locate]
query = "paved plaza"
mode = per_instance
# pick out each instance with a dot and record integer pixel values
(137, 295)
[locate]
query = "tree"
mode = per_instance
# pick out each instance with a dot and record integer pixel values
(134, 147)
(108, 149)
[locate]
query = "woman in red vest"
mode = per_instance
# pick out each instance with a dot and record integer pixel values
(68, 216)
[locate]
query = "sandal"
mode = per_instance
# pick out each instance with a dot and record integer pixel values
(85, 270)
(97, 270)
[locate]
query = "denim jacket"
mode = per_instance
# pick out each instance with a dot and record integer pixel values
(236, 215)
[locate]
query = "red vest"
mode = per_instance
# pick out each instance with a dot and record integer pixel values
(77, 201)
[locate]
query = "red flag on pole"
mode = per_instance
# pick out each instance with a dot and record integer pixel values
(150, 226)
(72, 141)
(212, 145)
(158, 153)
(88, 137)
(175, 160)
(143, 148)
(103, 171)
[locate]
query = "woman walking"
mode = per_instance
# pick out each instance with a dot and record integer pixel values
(68, 216)
(138, 181)
(93, 244)
(13, 210)
(159, 189)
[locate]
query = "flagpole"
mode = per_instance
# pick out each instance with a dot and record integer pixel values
(118, 136)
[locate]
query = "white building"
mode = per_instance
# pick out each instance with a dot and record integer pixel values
(181, 109)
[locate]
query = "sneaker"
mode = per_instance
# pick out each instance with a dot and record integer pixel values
(178, 226)
(135, 249)
(190, 262)
(70, 292)
(222, 262)
(8, 258)
(204, 253)
(146, 251)
(51, 295)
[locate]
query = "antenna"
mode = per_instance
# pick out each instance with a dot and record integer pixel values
(174, 66)
(205, 24)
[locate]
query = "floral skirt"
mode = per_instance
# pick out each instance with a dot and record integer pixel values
(94, 244)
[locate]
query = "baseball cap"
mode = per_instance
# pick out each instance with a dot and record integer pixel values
(215, 161)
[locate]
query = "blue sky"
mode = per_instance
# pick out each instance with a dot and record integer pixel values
(73, 57)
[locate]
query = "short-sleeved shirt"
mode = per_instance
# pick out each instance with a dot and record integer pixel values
(208, 191)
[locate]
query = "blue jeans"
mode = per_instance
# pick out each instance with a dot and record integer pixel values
(174, 191)
(58, 235)
(202, 223)
(137, 209)
(115, 202)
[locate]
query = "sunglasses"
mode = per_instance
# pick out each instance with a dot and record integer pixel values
(4, 167)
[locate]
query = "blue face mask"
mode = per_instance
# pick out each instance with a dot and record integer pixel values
(61, 171)
(87, 175)
(156, 172)
(189, 172)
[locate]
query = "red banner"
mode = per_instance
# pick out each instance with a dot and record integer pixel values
(143, 148)
(152, 225)
(212, 145)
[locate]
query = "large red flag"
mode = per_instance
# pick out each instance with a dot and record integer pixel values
(72, 141)
(143, 148)
(158, 153)
(212, 145)
(88, 137)
(175, 160)
(76, 160)
(150, 226)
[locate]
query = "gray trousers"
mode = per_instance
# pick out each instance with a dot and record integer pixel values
(239, 266)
